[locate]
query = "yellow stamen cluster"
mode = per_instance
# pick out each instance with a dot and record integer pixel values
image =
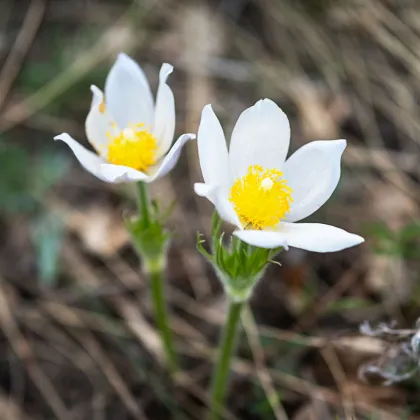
(260, 198)
(133, 147)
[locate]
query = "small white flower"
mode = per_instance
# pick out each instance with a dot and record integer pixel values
(254, 188)
(130, 134)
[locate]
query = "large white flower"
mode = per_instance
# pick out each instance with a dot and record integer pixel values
(253, 186)
(130, 134)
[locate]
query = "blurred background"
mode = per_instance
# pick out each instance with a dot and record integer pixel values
(77, 339)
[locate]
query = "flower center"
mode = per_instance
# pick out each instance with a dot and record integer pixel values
(260, 198)
(134, 147)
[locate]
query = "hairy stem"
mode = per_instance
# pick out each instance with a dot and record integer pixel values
(226, 349)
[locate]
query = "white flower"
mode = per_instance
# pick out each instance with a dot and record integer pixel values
(253, 186)
(130, 134)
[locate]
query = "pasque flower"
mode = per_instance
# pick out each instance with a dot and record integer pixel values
(130, 134)
(254, 187)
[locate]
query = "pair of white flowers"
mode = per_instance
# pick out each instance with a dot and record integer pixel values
(252, 185)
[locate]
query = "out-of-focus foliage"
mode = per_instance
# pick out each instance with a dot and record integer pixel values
(24, 185)
(47, 234)
(25, 180)
(39, 73)
(14, 182)
(404, 243)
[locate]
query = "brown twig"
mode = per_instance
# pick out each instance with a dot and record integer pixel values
(104, 363)
(116, 38)
(83, 272)
(337, 371)
(20, 48)
(264, 377)
(24, 351)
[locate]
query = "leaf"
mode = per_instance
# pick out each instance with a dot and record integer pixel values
(48, 170)
(379, 230)
(15, 174)
(47, 234)
(410, 232)
(23, 182)
(348, 303)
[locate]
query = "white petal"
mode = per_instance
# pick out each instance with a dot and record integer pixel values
(313, 173)
(98, 123)
(218, 196)
(164, 125)
(220, 201)
(260, 137)
(262, 238)
(97, 96)
(119, 174)
(205, 190)
(170, 160)
(318, 237)
(89, 160)
(127, 93)
(212, 150)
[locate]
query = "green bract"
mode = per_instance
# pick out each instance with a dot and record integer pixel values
(238, 265)
(150, 239)
(150, 242)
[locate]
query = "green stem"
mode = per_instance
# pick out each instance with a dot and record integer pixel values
(143, 203)
(221, 371)
(154, 265)
(155, 272)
